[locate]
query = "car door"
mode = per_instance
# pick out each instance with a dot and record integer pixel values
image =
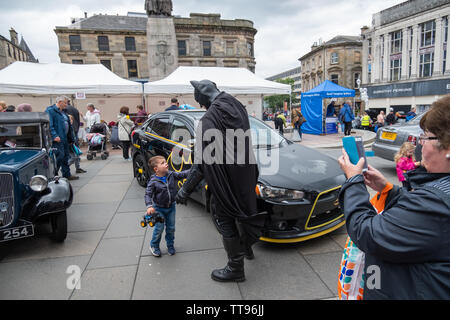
(156, 137)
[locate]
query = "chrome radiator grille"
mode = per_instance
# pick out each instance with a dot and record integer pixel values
(6, 199)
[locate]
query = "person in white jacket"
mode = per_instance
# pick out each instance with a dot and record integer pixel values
(125, 126)
(92, 116)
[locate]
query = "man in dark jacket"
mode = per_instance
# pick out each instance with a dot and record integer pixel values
(61, 129)
(175, 105)
(231, 183)
(390, 118)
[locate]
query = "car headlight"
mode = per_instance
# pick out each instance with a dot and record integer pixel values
(38, 183)
(278, 194)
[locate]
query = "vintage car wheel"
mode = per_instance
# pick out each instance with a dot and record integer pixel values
(59, 227)
(104, 157)
(139, 170)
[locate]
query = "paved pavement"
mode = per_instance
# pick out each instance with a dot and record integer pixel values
(111, 250)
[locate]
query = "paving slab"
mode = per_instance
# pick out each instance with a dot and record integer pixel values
(101, 192)
(184, 276)
(41, 247)
(116, 253)
(133, 205)
(44, 279)
(318, 246)
(192, 234)
(117, 168)
(125, 225)
(94, 216)
(278, 273)
(327, 267)
(106, 284)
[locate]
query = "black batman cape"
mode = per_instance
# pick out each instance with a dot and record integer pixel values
(232, 185)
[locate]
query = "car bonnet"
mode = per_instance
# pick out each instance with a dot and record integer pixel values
(12, 160)
(300, 168)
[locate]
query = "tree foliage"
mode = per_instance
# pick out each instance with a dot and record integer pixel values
(277, 102)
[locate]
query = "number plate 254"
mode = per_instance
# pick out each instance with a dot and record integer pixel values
(16, 233)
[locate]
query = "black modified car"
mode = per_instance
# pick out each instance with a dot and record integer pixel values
(300, 192)
(30, 191)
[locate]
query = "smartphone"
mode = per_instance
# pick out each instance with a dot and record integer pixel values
(354, 146)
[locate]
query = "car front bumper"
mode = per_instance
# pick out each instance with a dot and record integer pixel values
(303, 220)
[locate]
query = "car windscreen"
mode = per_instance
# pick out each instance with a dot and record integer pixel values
(417, 119)
(264, 136)
(20, 136)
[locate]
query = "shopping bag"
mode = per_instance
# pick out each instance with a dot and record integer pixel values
(351, 273)
(76, 150)
(115, 136)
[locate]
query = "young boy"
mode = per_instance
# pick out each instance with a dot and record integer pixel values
(160, 198)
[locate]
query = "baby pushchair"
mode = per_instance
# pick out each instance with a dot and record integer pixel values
(97, 141)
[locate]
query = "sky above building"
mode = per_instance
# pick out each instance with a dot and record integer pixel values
(286, 28)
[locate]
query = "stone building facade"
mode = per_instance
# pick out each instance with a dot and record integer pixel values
(405, 55)
(12, 50)
(120, 42)
(338, 60)
(294, 74)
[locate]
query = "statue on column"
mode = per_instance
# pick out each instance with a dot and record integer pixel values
(159, 7)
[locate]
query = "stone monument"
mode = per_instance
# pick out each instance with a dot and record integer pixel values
(161, 39)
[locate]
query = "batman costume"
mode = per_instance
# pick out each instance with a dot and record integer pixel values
(232, 186)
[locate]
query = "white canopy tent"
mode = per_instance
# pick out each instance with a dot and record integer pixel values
(239, 82)
(39, 83)
(60, 78)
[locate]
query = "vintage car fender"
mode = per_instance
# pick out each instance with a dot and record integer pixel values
(56, 199)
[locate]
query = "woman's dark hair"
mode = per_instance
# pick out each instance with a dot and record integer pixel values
(125, 110)
(437, 121)
(140, 107)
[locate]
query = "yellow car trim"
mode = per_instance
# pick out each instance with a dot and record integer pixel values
(301, 239)
(314, 206)
(137, 146)
(168, 140)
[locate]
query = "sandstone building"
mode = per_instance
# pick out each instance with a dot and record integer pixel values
(12, 50)
(120, 42)
(338, 60)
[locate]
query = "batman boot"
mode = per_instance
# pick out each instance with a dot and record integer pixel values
(234, 270)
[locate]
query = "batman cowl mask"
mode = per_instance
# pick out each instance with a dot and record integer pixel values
(205, 92)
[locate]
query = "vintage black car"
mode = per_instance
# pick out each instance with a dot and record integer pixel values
(30, 191)
(301, 197)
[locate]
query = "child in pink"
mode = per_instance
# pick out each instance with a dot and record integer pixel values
(405, 160)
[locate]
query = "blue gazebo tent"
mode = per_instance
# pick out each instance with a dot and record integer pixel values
(312, 104)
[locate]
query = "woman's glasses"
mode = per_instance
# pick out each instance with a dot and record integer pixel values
(423, 138)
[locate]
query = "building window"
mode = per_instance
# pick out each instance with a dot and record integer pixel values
(396, 69)
(132, 69)
(357, 57)
(230, 48)
(77, 61)
(428, 33)
(207, 48)
(396, 42)
(369, 45)
(355, 79)
(75, 43)
(426, 64)
(9, 50)
(182, 48)
(444, 57)
(251, 52)
(130, 44)
(334, 58)
(335, 78)
(313, 63)
(103, 43)
(106, 63)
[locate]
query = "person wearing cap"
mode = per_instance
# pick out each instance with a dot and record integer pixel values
(231, 184)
